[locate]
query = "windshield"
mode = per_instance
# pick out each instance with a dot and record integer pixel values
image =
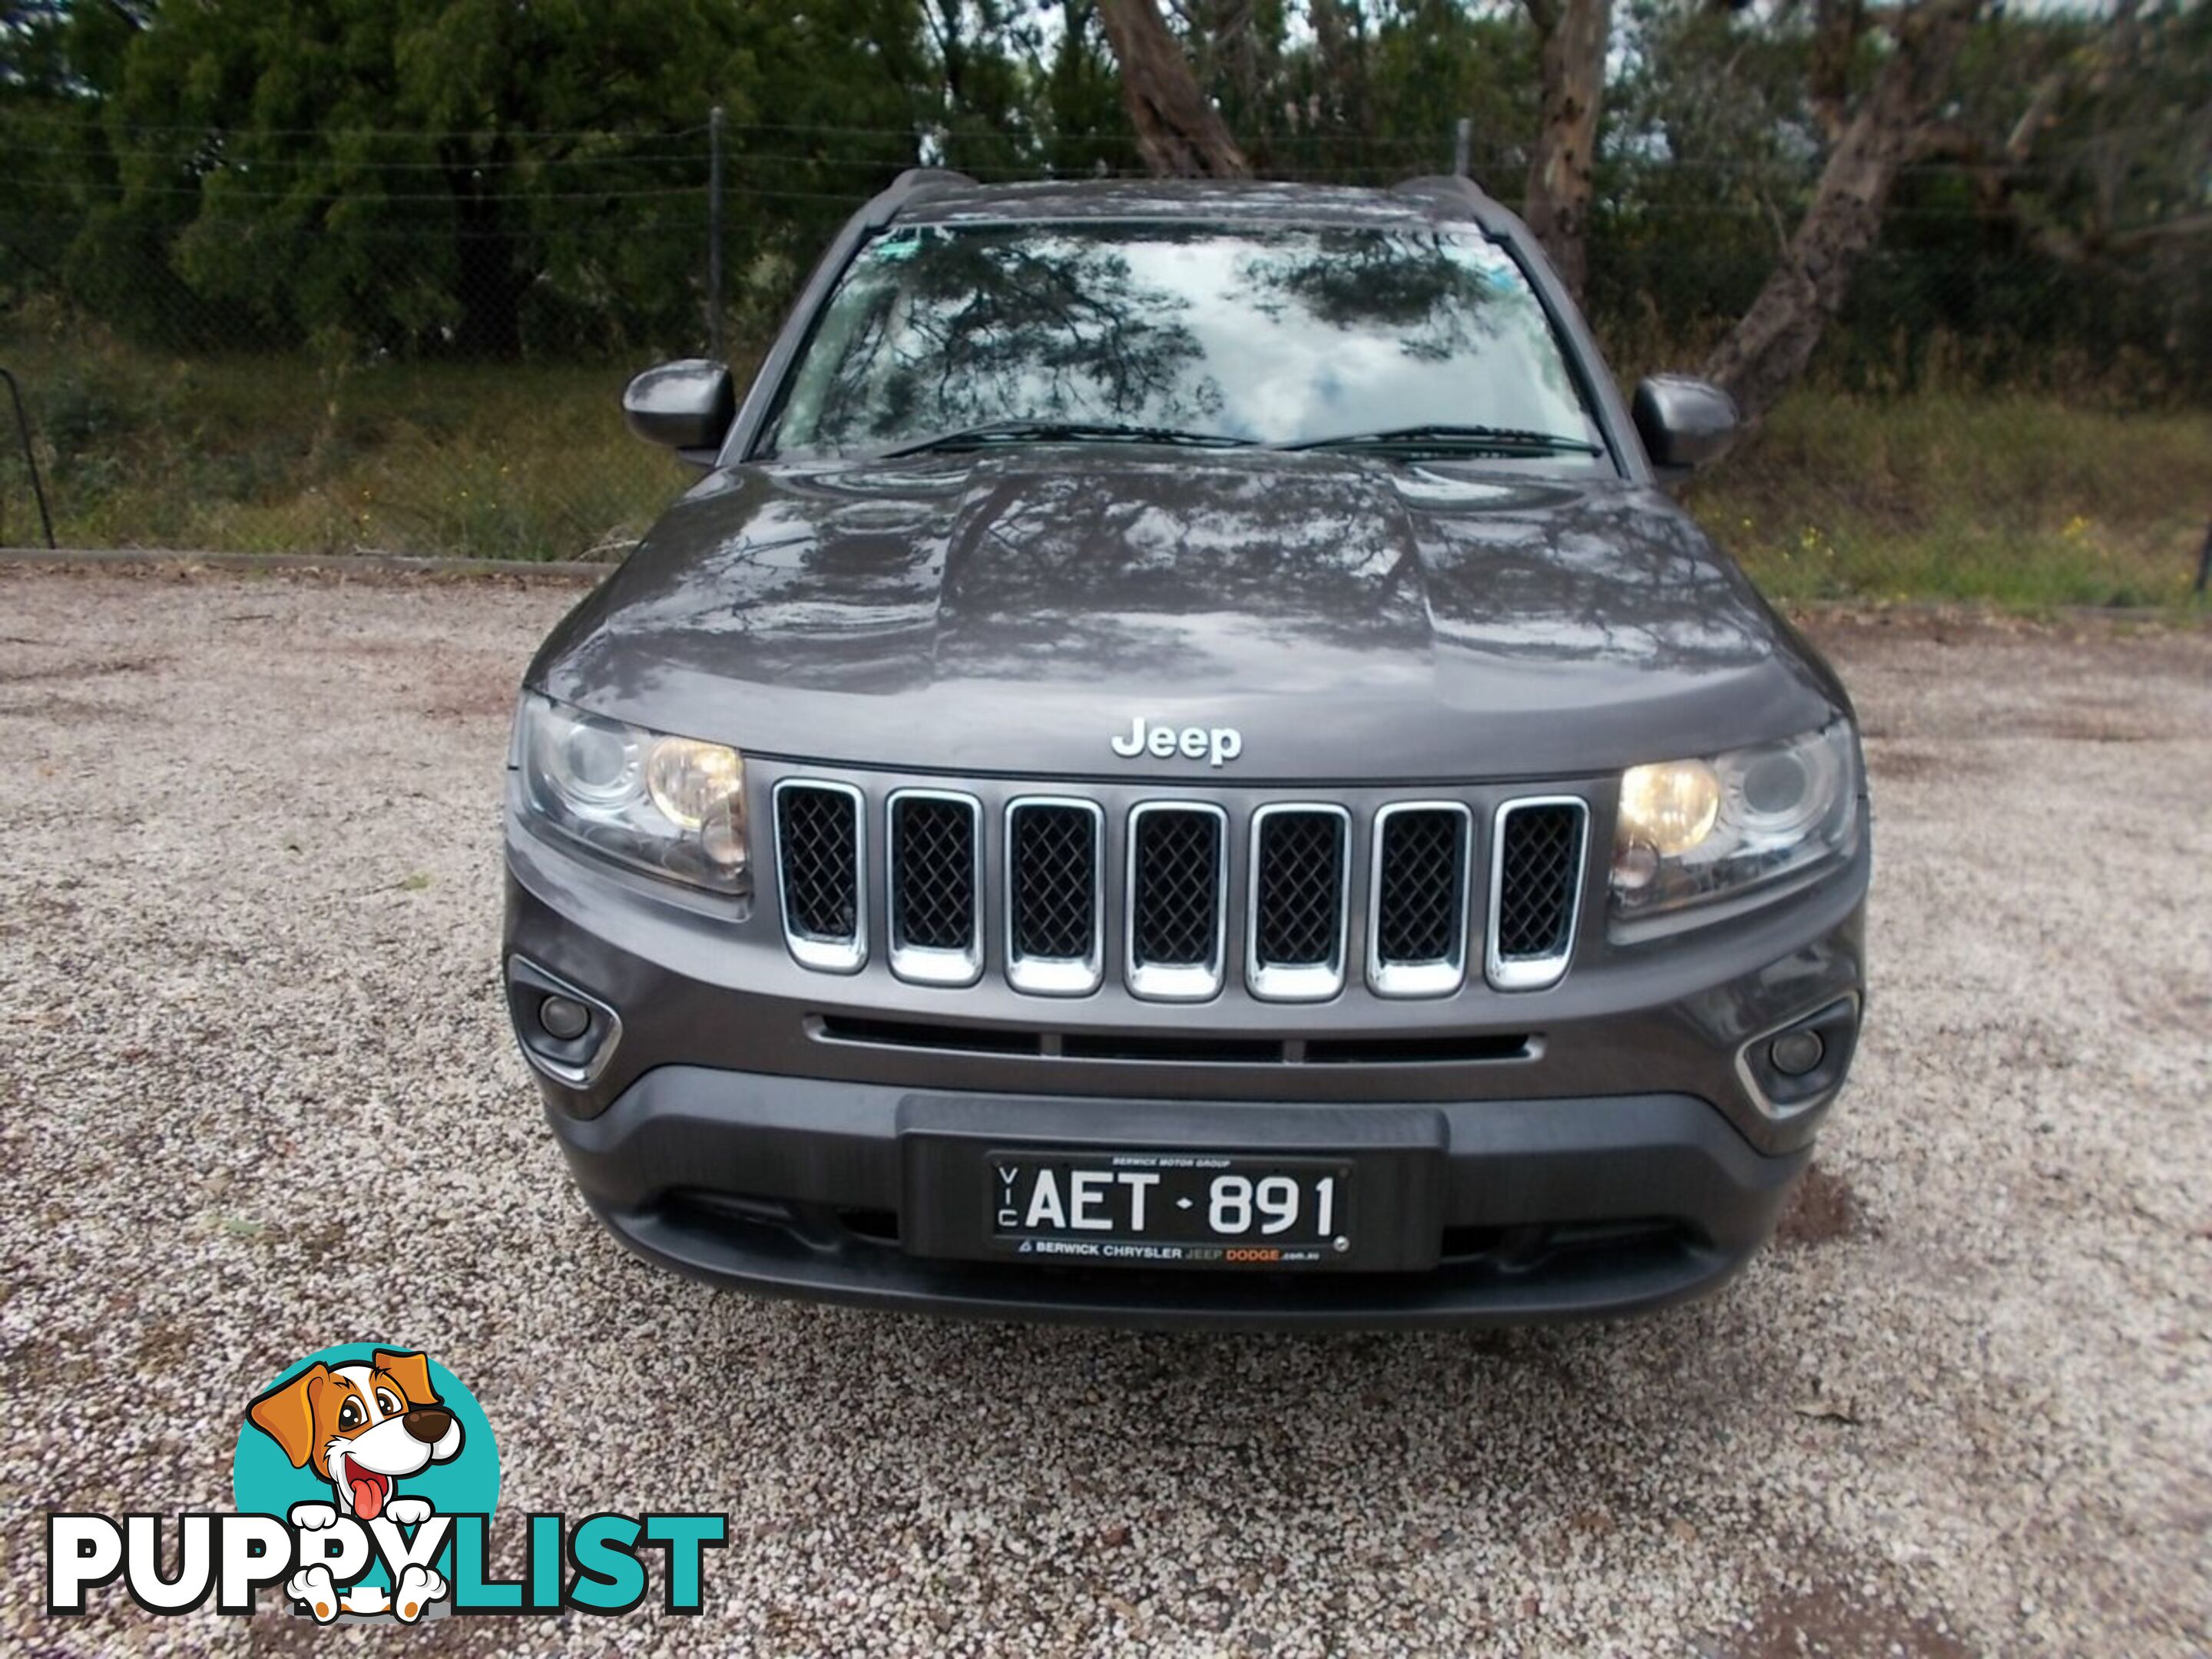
(1267, 334)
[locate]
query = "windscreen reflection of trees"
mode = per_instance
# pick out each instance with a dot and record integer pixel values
(955, 331)
(941, 331)
(1445, 297)
(1356, 280)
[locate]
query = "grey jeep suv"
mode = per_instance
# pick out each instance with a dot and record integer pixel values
(1179, 765)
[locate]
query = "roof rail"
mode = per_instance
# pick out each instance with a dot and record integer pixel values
(1454, 191)
(912, 185)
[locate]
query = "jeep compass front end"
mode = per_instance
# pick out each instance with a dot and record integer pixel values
(1179, 767)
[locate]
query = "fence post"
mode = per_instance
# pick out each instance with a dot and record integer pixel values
(1463, 145)
(31, 458)
(714, 233)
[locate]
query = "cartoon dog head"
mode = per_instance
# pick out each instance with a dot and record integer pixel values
(361, 1426)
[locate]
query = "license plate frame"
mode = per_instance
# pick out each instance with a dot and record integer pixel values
(1150, 1207)
(1395, 1154)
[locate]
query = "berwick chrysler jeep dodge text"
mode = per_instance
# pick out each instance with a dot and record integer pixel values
(1179, 766)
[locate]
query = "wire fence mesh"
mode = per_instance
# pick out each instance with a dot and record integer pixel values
(414, 341)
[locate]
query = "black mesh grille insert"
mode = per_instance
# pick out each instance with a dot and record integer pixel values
(1175, 902)
(818, 840)
(1540, 869)
(932, 872)
(1299, 887)
(1423, 890)
(1053, 854)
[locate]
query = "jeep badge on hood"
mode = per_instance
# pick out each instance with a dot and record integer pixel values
(1214, 745)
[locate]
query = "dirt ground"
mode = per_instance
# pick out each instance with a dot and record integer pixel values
(257, 1095)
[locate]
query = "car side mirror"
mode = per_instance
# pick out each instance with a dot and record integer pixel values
(1684, 423)
(687, 406)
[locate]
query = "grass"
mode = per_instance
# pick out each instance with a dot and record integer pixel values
(254, 454)
(2026, 501)
(2018, 500)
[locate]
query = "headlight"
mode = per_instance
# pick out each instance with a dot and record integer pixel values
(1695, 829)
(672, 805)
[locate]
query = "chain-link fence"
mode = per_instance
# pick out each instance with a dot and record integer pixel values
(419, 348)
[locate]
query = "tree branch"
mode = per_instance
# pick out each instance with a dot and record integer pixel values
(1179, 132)
(1768, 349)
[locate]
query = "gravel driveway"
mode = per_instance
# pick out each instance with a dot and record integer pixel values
(257, 1095)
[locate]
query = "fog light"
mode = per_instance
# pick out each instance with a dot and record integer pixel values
(1799, 1067)
(1796, 1053)
(567, 1018)
(565, 1032)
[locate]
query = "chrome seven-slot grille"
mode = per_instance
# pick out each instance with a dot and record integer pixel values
(1437, 877)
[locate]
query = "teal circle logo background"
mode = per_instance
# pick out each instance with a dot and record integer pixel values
(263, 1482)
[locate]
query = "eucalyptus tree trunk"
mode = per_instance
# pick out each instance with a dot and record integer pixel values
(1178, 132)
(1341, 46)
(1764, 353)
(1571, 37)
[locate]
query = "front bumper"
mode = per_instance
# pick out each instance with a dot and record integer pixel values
(1600, 1146)
(1546, 1209)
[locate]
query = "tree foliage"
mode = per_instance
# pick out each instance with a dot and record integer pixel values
(479, 178)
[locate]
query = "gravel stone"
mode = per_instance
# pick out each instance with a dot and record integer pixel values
(257, 1094)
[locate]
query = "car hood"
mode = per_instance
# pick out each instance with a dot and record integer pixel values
(1350, 617)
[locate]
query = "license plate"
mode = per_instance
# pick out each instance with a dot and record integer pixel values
(1170, 1209)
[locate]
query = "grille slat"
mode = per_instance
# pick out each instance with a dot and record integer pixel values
(1177, 891)
(1177, 895)
(1424, 876)
(1300, 859)
(1418, 946)
(936, 920)
(1536, 891)
(1300, 870)
(1054, 895)
(818, 855)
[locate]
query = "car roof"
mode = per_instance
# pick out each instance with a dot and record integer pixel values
(934, 197)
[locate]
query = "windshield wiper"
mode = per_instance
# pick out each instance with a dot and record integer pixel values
(1491, 439)
(1053, 432)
